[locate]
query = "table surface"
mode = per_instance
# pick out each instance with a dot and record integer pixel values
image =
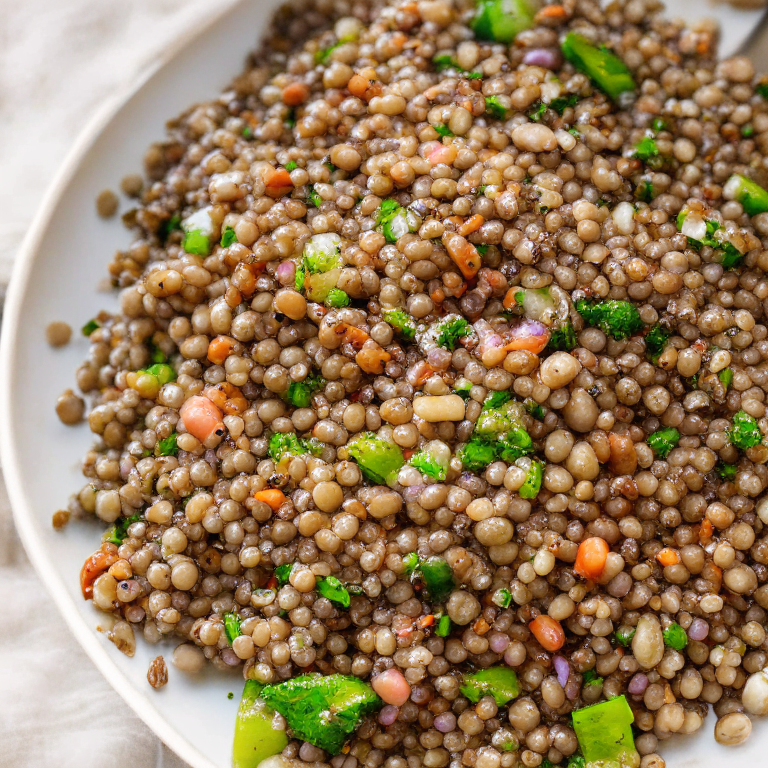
(58, 64)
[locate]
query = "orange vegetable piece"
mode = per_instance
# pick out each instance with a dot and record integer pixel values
(591, 557)
(295, 94)
(551, 12)
(427, 621)
(463, 253)
(481, 626)
(472, 224)
(219, 349)
(668, 556)
(706, 530)
(95, 565)
(509, 297)
(521, 338)
(354, 335)
(201, 418)
(278, 182)
(548, 632)
(372, 359)
(274, 498)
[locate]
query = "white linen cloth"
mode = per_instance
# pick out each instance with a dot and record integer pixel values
(59, 59)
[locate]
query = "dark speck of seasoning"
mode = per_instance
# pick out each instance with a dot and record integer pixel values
(279, 316)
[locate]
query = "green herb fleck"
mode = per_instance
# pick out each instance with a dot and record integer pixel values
(656, 341)
(619, 319)
(663, 441)
(646, 149)
(401, 321)
(495, 108)
(228, 237)
(90, 327)
(726, 377)
(659, 124)
(463, 388)
(450, 331)
(299, 393)
(314, 197)
(291, 165)
(168, 445)
(675, 637)
(745, 433)
(282, 573)
(727, 471)
(624, 635)
(443, 130)
(502, 597)
(119, 531)
(562, 103)
(337, 298)
(429, 466)
(563, 339)
(590, 677)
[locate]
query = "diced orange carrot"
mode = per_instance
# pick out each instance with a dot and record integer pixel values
(274, 498)
(509, 297)
(202, 418)
(372, 359)
(472, 224)
(481, 626)
(278, 181)
(548, 632)
(552, 13)
(219, 349)
(528, 342)
(295, 94)
(668, 556)
(271, 582)
(94, 566)
(591, 557)
(354, 335)
(706, 530)
(463, 253)
(427, 621)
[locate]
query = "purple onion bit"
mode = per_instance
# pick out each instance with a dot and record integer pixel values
(445, 723)
(698, 630)
(286, 272)
(389, 714)
(638, 684)
(412, 492)
(572, 689)
(498, 642)
(548, 58)
(563, 669)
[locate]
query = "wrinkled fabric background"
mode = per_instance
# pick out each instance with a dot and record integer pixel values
(59, 60)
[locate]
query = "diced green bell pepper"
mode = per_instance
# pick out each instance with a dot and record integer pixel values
(256, 738)
(604, 732)
(499, 682)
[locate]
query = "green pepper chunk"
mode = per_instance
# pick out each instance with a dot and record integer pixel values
(605, 69)
(196, 242)
(323, 710)
(443, 626)
(377, 458)
(332, 589)
(502, 20)
(532, 485)
(90, 327)
(438, 578)
(499, 682)
(228, 237)
(256, 737)
(604, 732)
(753, 198)
(232, 626)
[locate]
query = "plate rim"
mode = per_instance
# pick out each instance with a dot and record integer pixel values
(21, 506)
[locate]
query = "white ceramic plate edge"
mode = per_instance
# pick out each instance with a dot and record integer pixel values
(23, 515)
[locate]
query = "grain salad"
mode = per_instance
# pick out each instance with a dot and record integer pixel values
(435, 402)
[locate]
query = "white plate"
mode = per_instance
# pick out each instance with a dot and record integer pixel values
(57, 270)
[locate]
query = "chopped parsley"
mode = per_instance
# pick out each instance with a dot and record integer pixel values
(663, 441)
(495, 108)
(299, 393)
(562, 103)
(232, 626)
(119, 531)
(168, 445)
(228, 237)
(90, 327)
(314, 197)
(443, 130)
(282, 573)
(401, 321)
(675, 637)
(538, 113)
(337, 298)
(619, 319)
(451, 330)
(745, 432)
(291, 165)
(563, 339)
(646, 148)
(656, 341)
(426, 463)
(726, 377)
(502, 597)
(624, 635)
